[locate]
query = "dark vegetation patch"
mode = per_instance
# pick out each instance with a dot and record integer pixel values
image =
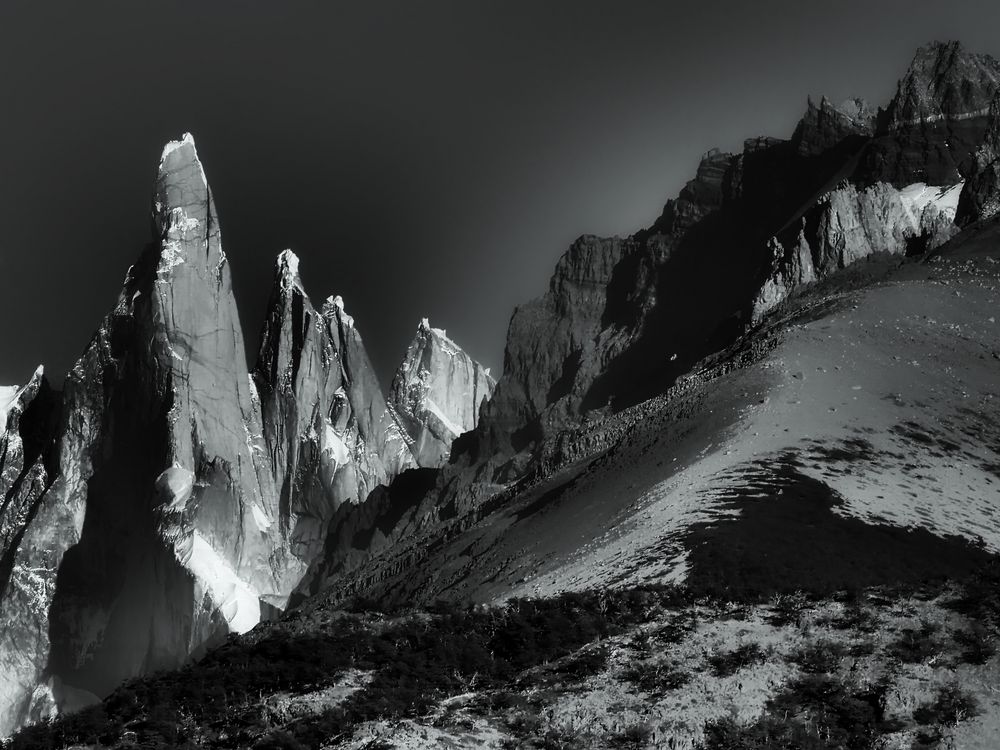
(977, 644)
(816, 712)
(583, 664)
(980, 595)
(656, 678)
(787, 609)
(820, 657)
(517, 659)
(728, 663)
(787, 538)
(951, 705)
(856, 617)
(635, 736)
(675, 630)
(917, 645)
(939, 444)
(415, 661)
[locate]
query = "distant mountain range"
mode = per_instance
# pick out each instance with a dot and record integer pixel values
(812, 317)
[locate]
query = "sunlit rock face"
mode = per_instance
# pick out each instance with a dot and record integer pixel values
(154, 527)
(624, 317)
(437, 393)
(849, 224)
(180, 542)
(169, 496)
(329, 435)
(34, 530)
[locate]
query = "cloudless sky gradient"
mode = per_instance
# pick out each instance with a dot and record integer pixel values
(422, 158)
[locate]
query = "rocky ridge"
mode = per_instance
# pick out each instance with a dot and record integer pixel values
(437, 393)
(625, 318)
(330, 436)
(981, 200)
(169, 496)
(849, 183)
(180, 497)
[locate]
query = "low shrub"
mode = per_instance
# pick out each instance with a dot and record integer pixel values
(815, 712)
(951, 705)
(820, 657)
(767, 733)
(656, 677)
(787, 609)
(916, 645)
(980, 595)
(583, 664)
(977, 644)
(635, 736)
(856, 617)
(675, 630)
(729, 663)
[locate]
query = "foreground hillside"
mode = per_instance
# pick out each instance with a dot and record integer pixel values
(792, 549)
(658, 667)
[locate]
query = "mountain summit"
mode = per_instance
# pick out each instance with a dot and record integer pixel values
(437, 392)
(168, 496)
(944, 82)
(750, 450)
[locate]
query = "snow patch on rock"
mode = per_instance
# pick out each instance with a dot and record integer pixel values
(8, 395)
(334, 445)
(918, 196)
(436, 410)
(235, 599)
(260, 518)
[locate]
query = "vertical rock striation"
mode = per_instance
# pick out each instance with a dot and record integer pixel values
(932, 127)
(169, 496)
(179, 543)
(437, 392)
(330, 437)
(33, 532)
(981, 197)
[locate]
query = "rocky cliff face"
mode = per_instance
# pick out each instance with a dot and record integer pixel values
(623, 318)
(330, 437)
(825, 125)
(981, 196)
(932, 127)
(944, 81)
(630, 315)
(181, 540)
(169, 497)
(437, 393)
(849, 224)
(34, 530)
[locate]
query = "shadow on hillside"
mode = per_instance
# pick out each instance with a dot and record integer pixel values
(787, 537)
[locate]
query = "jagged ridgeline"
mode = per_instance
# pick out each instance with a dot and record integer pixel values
(168, 496)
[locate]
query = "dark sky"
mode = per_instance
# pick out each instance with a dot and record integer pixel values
(422, 158)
